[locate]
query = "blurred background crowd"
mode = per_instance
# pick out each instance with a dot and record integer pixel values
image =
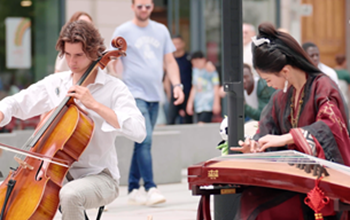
(195, 26)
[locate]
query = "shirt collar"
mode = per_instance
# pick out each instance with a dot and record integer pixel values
(100, 77)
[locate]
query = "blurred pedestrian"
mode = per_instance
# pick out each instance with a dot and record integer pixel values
(314, 53)
(343, 75)
(149, 48)
(204, 97)
(183, 59)
(256, 93)
(248, 31)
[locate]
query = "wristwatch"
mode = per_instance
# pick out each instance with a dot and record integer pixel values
(180, 85)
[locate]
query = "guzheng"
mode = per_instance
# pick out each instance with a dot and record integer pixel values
(287, 170)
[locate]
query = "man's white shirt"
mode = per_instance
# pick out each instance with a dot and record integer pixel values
(48, 93)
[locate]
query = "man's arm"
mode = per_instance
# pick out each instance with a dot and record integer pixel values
(217, 103)
(189, 107)
(172, 70)
(84, 96)
(123, 115)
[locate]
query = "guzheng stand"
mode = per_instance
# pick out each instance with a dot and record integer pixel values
(203, 211)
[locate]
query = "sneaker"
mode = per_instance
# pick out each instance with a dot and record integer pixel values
(136, 197)
(154, 197)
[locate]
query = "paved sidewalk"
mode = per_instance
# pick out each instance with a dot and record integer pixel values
(180, 205)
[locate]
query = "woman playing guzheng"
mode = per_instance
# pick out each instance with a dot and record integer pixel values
(306, 114)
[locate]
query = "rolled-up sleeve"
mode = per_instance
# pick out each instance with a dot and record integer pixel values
(27, 103)
(4, 108)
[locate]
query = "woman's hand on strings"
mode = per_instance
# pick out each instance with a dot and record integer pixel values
(248, 146)
(83, 95)
(275, 141)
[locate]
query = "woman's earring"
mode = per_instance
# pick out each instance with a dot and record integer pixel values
(285, 86)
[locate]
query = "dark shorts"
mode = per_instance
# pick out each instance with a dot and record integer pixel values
(204, 116)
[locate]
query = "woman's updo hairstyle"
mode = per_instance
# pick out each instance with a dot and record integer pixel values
(275, 49)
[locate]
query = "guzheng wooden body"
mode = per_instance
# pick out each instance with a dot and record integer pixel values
(272, 170)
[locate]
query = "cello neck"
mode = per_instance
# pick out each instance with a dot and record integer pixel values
(102, 62)
(61, 108)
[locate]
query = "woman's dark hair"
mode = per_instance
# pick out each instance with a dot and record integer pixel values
(281, 50)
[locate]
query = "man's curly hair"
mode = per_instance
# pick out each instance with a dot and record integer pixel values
(84, 32)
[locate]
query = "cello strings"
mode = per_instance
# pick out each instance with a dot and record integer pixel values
(285, 156)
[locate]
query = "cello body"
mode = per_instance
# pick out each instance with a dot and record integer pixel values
(35, 195)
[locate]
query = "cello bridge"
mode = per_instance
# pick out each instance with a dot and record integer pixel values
(23, 164)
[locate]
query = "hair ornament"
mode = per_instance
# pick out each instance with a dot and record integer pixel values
(261, 41)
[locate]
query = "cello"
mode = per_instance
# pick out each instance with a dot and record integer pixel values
(31, 191)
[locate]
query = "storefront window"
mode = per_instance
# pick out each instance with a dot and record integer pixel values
(258, 11)
(212, 16)
(28, 34)
(175, 14)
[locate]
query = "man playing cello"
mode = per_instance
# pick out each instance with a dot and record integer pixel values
(104, 98)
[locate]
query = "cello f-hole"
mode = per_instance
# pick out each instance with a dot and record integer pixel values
(40, 173)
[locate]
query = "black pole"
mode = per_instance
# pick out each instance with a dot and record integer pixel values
(225, 206)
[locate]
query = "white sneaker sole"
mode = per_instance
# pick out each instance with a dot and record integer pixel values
(131, 202)
(156, 202)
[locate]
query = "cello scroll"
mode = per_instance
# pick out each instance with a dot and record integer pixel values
(121, 46)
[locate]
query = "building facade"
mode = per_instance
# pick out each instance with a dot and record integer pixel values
(198, 21)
